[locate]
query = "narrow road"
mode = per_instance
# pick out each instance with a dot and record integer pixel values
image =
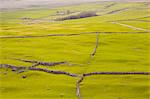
(132, 27)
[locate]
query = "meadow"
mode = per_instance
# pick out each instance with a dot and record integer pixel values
(34, 34)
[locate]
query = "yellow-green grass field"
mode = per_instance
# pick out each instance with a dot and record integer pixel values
(120, 49)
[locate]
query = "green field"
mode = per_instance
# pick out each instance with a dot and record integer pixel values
(123, 46)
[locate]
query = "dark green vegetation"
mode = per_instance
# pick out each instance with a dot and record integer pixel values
(34, 34)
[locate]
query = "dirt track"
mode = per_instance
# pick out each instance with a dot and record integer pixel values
(132, 27)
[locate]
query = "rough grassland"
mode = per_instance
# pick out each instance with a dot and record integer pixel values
(124, 50)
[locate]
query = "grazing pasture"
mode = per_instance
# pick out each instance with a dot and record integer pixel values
(115, 39)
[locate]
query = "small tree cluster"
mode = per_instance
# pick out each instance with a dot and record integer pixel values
(84, 14)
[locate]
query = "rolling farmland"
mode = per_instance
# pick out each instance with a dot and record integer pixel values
(90, 50)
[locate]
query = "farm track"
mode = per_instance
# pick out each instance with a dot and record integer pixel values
(73, 34)
(132, 27)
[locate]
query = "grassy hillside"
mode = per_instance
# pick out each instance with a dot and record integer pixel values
(34, 34)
